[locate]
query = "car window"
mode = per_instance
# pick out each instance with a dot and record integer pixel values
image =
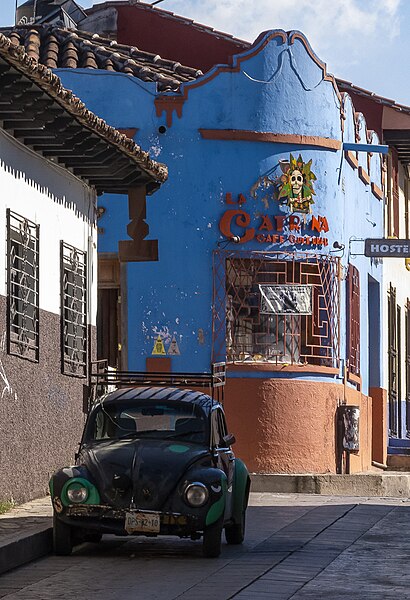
(160, 420)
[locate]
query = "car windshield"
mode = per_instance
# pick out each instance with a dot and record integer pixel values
(148, 419)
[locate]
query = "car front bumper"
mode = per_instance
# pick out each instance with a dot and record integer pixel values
(106, 519)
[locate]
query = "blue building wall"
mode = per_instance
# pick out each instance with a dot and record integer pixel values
(277, 86)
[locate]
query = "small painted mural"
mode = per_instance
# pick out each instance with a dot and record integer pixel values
(159, 348)
(297, 185)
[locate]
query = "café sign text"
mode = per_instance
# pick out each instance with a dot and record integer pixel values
(272, 229)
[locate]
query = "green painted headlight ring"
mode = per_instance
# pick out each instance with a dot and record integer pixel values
(217, 509)
(93, 495)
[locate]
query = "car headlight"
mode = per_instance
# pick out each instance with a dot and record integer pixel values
(77, 493)
(196, 494)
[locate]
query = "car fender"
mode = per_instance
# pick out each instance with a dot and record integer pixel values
(60, 480)
(241, 486)
(216, 481)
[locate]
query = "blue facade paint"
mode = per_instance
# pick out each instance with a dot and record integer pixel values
(278, 87)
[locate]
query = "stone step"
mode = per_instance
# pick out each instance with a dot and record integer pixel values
(392, 484)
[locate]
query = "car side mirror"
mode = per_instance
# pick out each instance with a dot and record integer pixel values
(229, 439)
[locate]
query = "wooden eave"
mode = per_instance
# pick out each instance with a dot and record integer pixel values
(400, 140)
(41, 114)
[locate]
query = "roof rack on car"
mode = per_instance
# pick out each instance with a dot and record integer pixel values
(105, 379)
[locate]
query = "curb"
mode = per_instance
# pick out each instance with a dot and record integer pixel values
(385, 485)
(24, 550)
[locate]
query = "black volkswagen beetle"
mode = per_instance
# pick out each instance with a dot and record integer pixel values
(152, 461)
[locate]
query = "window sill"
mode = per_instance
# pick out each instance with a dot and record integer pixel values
(305, 368)
(356, 379)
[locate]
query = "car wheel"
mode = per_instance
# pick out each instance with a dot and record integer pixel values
(62, 538)
(211, 543)
(235, 533)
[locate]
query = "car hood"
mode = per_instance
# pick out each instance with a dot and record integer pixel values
(146, 471)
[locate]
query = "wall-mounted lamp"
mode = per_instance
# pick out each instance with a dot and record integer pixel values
(223, 243)
(338, 247)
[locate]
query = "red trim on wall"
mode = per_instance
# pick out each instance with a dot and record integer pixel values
(169, 104)
(266, 136)
(129, 132)
(306, 368)
(158, 364)
(376, 191)
(364, 175)
(351, 159)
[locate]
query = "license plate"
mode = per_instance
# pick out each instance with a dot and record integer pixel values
(140, 522)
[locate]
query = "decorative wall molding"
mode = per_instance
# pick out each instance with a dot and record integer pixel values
(266, 136)
(138, 248)
(377, 191)
(351, 159)
(364, 175)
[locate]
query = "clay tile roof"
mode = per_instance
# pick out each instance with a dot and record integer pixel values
(57, 47)
(347, 86)
(23, 62)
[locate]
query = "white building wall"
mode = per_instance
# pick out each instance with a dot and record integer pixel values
(61, 204)
(397, 275)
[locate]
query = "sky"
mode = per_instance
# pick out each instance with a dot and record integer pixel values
(366, 42)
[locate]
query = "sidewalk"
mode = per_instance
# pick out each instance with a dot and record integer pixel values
(25, 533)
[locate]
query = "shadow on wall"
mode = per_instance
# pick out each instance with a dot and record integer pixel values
(49, 184)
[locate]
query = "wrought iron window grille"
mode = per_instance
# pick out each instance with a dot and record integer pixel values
(304, 331)
(74, 335)
(22, 287)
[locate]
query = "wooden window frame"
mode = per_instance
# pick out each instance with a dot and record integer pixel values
(353, 320)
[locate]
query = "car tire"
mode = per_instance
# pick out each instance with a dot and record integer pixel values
(62, 538)
(211, 543)
(235, 534)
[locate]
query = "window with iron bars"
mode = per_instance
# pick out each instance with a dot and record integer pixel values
(276, 308)
(74, 310)
(353, 320)
(22, 286)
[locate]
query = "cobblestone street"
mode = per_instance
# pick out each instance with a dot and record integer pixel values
(299, 547)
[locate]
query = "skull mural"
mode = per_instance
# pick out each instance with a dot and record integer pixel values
(296, 181)
(296, 184)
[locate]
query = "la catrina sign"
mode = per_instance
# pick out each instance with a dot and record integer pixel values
(292, 190)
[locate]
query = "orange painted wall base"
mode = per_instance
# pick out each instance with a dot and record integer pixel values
(379, 433)
(289, 426)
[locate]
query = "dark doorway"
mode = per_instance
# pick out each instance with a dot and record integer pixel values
(109, 330)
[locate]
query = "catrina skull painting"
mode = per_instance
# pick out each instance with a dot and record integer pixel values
(296, 185)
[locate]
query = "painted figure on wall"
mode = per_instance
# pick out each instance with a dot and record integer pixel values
(297, 185)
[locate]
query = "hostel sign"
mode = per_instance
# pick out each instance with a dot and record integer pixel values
(387, 248)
